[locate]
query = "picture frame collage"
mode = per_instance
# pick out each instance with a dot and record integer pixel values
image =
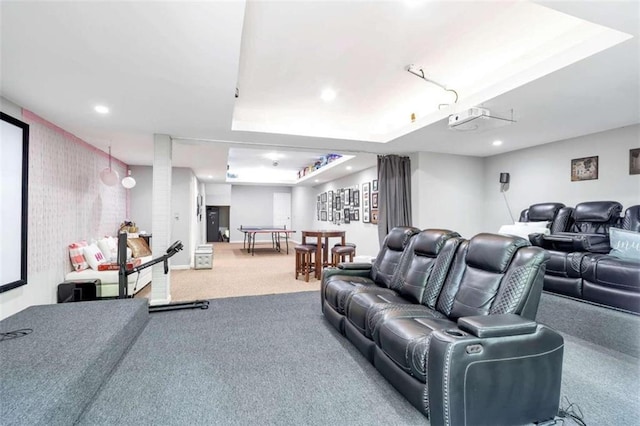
(343, 205)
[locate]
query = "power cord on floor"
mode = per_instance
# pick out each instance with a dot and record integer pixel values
(15, 334)
(571, 411)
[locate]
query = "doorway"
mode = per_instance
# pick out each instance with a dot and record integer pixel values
(217, 223)
(282, 209)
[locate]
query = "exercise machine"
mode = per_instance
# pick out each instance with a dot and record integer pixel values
(123, 273)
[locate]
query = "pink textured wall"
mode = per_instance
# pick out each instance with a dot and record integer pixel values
(67, 200)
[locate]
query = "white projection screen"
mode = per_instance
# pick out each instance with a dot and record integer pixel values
(14, 153)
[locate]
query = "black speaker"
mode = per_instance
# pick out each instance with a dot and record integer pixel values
(504, 177)
(78, 291)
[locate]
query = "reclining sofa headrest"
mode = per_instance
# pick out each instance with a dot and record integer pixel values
(631, 220)
(399, 237)
(493, 252)
(597, 211)
(544, 211)
(430, 241)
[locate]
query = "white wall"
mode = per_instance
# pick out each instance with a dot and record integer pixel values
(183, 212)
(303, 202)
(184, 225)
(67, 203)
(364, 235)
(10, 108)
(218, 194)
(251, 206)
(447, 192)
(140, 210)
(543, 174)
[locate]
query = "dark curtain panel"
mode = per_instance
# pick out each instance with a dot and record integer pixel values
(394, 193)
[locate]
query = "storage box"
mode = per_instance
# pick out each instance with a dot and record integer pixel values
(203, 258)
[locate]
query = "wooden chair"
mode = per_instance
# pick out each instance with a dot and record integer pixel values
(304, 260)
(339, 253)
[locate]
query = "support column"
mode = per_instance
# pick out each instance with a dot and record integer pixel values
(161, 217)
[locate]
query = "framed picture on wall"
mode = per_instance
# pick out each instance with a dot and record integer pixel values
(374, 200)
(338, 202)
(356, 215)
(346, 216)
(374, 216)
(365, 202)
(356, 198)
(634, 161)
(330, 197)
(584, 168)
(323, 197)
(347, 196)
(323, 215)
(374, 186)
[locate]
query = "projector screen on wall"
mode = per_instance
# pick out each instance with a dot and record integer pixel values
(14, 153)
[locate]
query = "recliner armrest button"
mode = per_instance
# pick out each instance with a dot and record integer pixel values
(474, 349)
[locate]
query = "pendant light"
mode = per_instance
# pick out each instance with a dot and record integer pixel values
(108, 176)
(128, 182)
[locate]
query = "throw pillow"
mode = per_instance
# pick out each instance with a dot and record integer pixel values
(76, 255)
(109, 248)
(625, 244)
(536, 224)
(94, 256)
(523, 229)
(139, 247)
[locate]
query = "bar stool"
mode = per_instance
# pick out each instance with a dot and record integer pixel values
(304, 260)
(340, 252)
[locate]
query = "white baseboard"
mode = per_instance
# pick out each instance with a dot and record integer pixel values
(176, 267)
(154, 302)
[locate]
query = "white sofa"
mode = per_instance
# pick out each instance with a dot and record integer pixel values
(109, 279)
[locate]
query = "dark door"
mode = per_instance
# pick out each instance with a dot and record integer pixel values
(213, 223)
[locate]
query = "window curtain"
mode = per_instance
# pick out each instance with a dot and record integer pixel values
(394, 193)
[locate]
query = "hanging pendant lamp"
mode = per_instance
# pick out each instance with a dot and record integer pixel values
(128, 182)
(108, 176)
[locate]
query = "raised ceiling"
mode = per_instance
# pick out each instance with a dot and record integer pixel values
(359, 51)
(172, 68)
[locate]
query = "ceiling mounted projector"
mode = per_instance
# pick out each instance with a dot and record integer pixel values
(476, 119)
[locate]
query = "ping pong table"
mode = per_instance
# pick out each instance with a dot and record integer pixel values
(250, 232)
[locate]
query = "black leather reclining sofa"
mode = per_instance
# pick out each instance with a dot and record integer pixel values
(450, 323)
(578, 246)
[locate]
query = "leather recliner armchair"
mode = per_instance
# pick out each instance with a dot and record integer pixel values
(612, 281)
(430, 255)
(337, 285)
(557, 214)
(589, 232)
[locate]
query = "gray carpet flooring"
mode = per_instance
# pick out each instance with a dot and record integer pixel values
(274, 360)
(49, 376)
(247, 361)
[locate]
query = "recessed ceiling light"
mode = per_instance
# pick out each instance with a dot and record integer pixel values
(328, 95)
(210, 177)
(317, 180)
(273, 156)
(101, 109)
(412, 3)
(497, 143)
(349, 167)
